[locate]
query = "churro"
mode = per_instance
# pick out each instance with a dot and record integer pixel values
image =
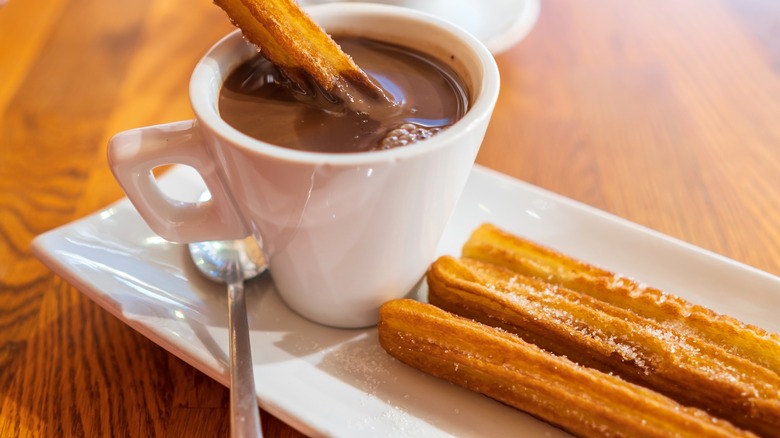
(491, 244)
(582, 400)
(292, 41)
(595, 332)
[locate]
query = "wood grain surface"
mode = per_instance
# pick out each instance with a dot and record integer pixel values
(664, 113)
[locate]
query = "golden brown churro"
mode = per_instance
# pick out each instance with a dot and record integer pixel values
(490, 244)
(597, 330)
(582, 400)
(292, 41)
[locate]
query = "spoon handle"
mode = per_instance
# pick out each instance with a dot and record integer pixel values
(244, 412)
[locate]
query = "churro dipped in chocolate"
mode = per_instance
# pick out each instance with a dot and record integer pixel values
(584, 401)
(299, 47)
(595, 332)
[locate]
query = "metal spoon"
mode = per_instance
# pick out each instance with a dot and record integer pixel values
(232, 262)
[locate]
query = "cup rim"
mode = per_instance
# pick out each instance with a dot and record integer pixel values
(208, 68)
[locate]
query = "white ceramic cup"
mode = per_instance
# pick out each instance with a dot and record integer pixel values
(342, 233)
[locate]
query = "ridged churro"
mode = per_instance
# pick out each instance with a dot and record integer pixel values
(597, 330)
(292, 41)
(491, 244)
(582, 400)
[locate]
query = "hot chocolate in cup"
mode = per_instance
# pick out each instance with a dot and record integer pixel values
(342, 232)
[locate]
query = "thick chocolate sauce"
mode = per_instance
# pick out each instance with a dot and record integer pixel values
(259, 101)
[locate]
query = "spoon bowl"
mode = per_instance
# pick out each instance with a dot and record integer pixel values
(212, 258)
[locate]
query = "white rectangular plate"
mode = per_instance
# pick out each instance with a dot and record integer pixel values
(333, 382)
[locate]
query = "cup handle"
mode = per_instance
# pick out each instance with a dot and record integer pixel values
(133, 154)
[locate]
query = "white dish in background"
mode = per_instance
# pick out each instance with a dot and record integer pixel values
(499, 24)
(334, 382)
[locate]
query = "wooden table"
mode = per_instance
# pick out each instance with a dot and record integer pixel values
(665, 113)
